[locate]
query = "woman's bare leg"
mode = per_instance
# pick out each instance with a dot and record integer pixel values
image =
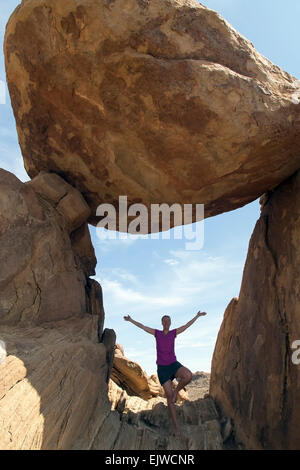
(185, 376)
(169, 395)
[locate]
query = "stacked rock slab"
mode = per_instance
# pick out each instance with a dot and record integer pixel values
(254, 377)
(52, 381)
(43, 274)
(161, 101)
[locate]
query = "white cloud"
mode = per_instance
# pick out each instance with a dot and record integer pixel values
(125, 275)
(136, 354)
(108, 240)
(171, 262)
(199, 335)
(181, 283)
(191, 274)
(193, 347)
(187, 284)
(127, 297)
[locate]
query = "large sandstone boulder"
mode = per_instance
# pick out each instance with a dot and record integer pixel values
(46, 255)
(254, 378)
(162, 101)
(130, 376)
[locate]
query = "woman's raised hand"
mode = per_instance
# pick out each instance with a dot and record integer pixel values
(127, 318)
(201, 314)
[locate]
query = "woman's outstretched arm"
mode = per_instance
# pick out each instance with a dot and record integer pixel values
(184, 327)
(143, 327)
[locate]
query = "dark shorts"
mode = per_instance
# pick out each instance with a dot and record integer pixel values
(167, 372)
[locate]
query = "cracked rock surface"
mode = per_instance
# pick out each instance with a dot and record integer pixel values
(46, 253)
(253, 377)
(136, 423)
(53, 393)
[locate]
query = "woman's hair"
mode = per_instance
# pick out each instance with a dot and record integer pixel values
(166, 316)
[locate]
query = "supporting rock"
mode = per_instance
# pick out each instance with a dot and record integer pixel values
(44, 269)
(253, 378)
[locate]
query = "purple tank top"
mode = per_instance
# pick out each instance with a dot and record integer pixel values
(165, 347)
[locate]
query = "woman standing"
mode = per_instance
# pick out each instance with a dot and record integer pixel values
(168, 367)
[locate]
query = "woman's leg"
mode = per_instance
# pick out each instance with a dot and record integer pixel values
(169, 395)
(185, 376)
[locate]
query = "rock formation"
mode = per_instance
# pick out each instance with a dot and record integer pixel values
(130, 376)
(253, 377)
(55, 387)
(159, 101)
(146, 424)
(52, 382)
(53, 393)
(166, 103)
(46, 252)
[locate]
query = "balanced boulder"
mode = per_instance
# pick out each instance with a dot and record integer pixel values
(161, 101)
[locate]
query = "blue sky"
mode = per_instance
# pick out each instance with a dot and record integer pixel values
(148, 278)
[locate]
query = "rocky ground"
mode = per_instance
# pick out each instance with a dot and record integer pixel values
(199, 386)
(146, 424)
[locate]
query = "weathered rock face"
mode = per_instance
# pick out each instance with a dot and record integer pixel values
(53, 393)
(253, 377)
(45, 251)
(159, 101)
(53, 382)
(135, 423)
(131, 377)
